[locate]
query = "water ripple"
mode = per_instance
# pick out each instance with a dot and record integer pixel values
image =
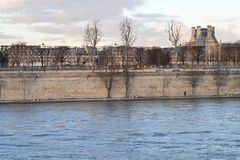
(152, 130)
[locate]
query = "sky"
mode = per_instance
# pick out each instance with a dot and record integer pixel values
(62, 22)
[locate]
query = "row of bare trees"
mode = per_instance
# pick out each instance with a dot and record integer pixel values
(138, 58)
(23, 55)
(190, 54)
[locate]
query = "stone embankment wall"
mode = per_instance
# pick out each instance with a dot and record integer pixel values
(67, 85)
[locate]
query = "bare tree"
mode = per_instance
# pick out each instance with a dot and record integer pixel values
(138, 55)
(194, 78)
(231, 53)
(158, 56)
(43, 54)
(40, 54)
(227, 56)
(93, 35)
(108, 70)
(152, 56)
(17, 53)
(60, 54)
(220, 77)
(198, 53)
(174, 34)
(32, 56)
(182, 52)
(2, 84)
(4, 51)
(237, 81)
(215, 56)
(164, 58)
(128, 38)
(1, 55)
(166, 82)
(81, 56)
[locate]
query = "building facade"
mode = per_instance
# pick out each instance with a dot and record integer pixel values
(206, 38)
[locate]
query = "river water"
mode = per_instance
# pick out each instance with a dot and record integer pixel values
(144, 130)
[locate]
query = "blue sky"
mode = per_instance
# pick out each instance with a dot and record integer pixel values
(62, 22)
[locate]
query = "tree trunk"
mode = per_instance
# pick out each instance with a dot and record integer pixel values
(163, 90)
(126, 84)
(42, 63)
(217, 91)
(126, 91)
(109, 88)
(0, 91)
(24, 89)
(109, 93)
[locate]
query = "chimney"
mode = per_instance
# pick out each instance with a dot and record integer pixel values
(198, 36)
(213, 31)
(193, 36)
(198, 31)
(210, 33)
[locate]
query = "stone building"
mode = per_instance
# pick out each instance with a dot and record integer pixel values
(206, 38)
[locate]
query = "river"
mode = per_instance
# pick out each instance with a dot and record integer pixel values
(141, 130)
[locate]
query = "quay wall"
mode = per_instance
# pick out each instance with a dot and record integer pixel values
(67, 85)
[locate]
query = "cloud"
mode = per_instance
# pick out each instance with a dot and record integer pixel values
(67, 19)
(11, 5)
(54, 29)
(222, 20)
(65, 11)
(151, 28)
(153, 16)
(59, 21)
(228, 34)
(7, 36)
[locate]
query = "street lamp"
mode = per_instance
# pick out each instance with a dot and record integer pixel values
(42, 54)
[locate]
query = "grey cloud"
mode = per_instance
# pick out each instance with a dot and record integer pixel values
(67, 11)
(61, 20)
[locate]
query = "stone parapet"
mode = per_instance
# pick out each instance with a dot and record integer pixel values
(40, 86)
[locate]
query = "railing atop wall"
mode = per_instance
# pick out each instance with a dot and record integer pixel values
(119, 69)
(43, 68)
